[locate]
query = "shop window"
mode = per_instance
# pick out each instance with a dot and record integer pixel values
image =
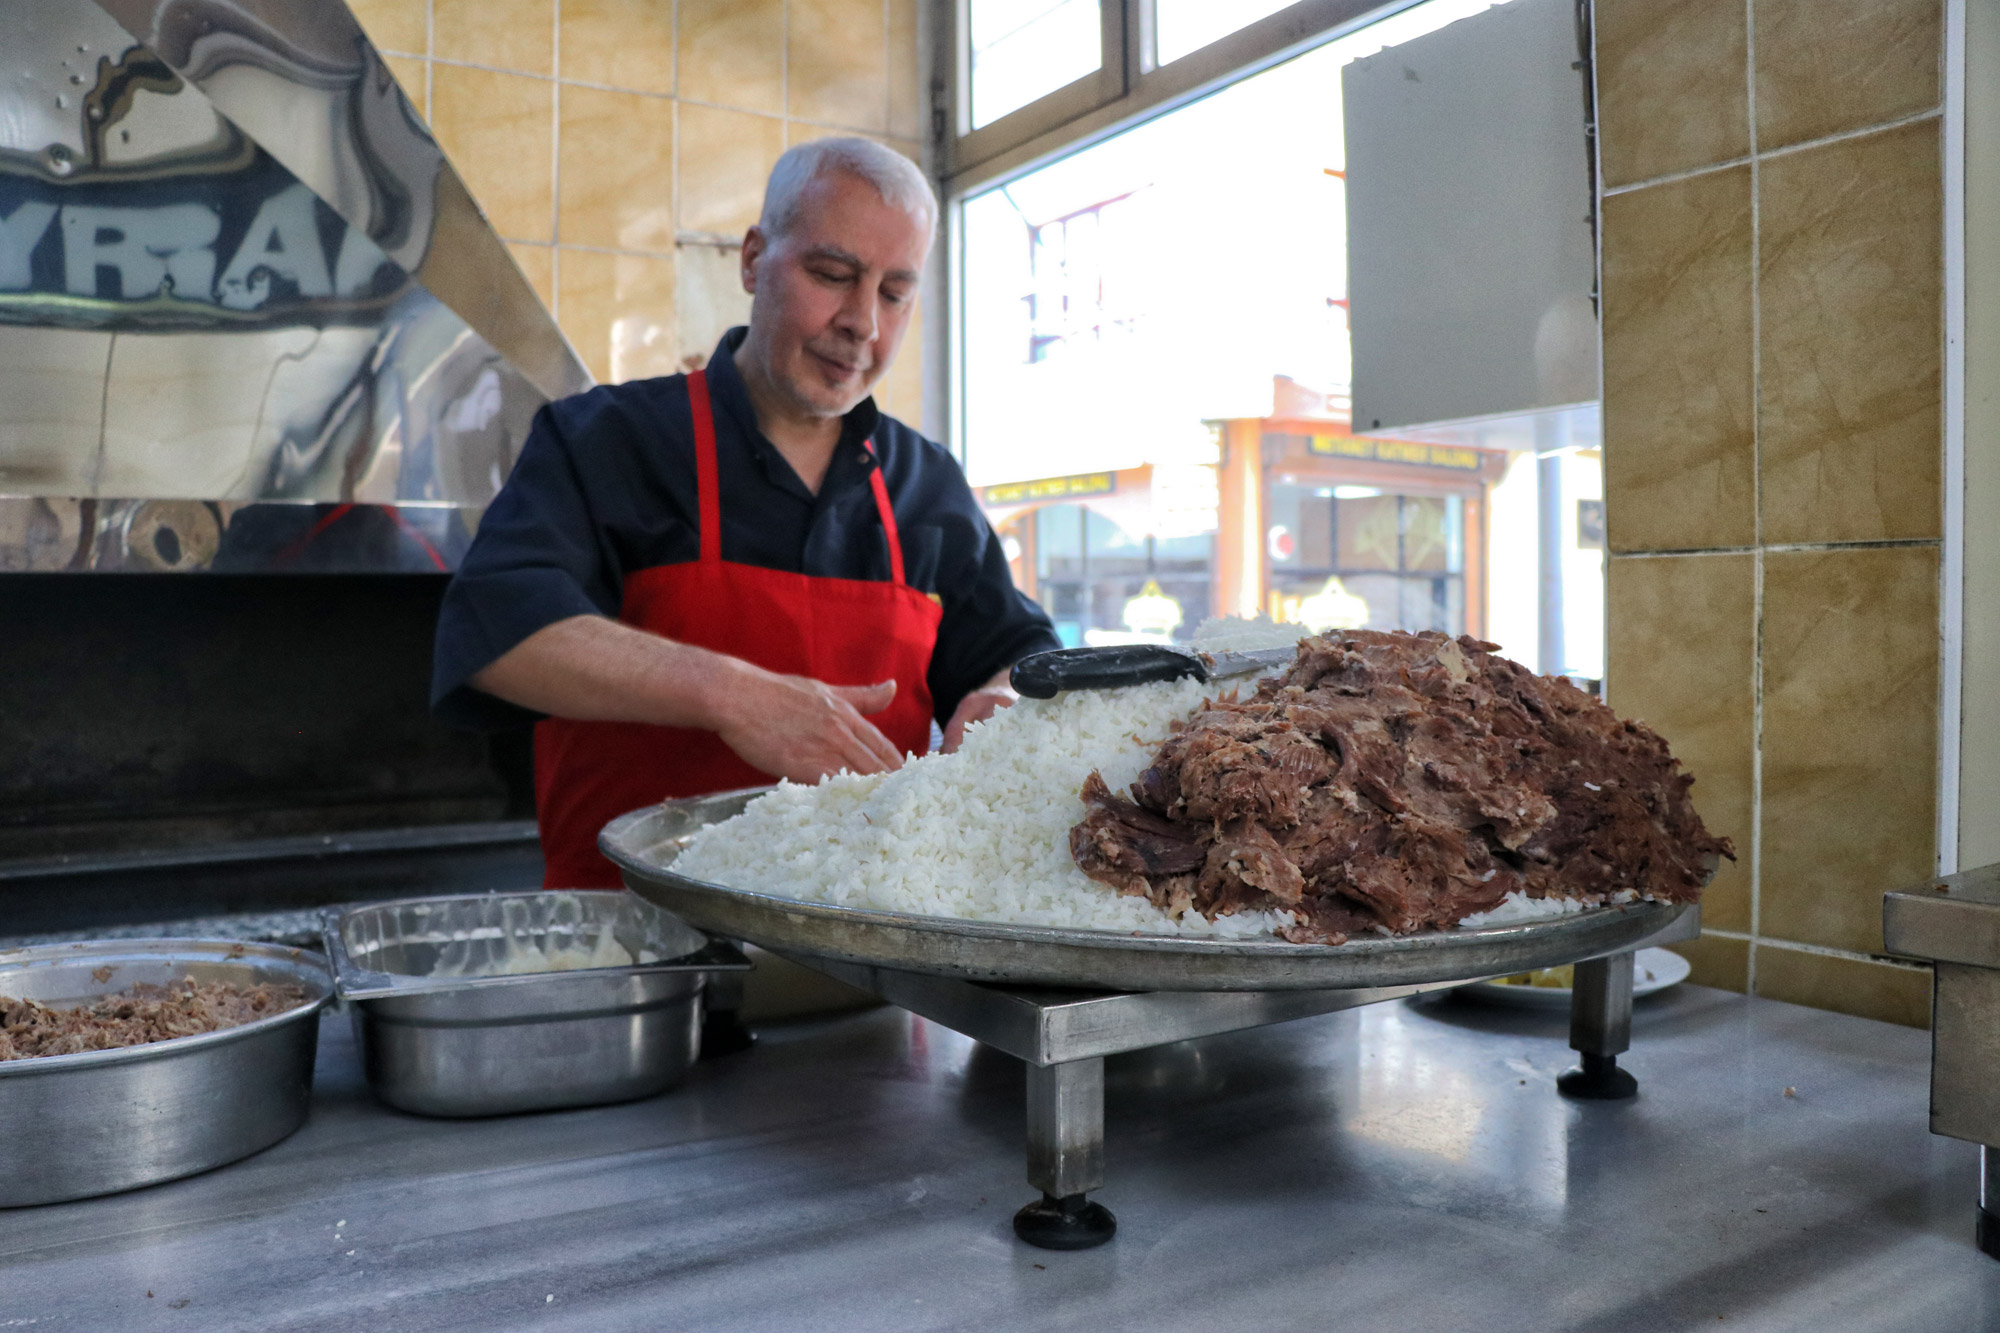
(1357, 557)
(1078, 291)
(1102, 585)
(1023, 50)
(1181, 27)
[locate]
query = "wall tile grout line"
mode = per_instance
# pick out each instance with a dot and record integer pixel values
(661, 97)
(1804, 145)
(555, 125)
(1821, 950)
(1787, 548)
(1756, 509)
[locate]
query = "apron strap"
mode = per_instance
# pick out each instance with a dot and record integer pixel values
(708, 491)
(881, 489)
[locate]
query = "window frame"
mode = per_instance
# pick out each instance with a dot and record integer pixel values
(1127, 87)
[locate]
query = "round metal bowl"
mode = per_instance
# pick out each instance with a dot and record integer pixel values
(104, 1121)
(645, 843)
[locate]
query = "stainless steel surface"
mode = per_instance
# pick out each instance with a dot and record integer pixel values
(237, 279)
(302, 80)
(104, 1121)
(1457, 315)
(1953, 919)
(645, 842)
(1066, 1127)
(471, 1045)
(1403, 1165)
(1953, 922)
(1052, 1026)
(1965, 1052)
(1600, 1006)
(1049, 1026)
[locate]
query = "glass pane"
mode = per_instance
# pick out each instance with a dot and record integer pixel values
(1117, 323)
(1181, 26)
(1025, 49)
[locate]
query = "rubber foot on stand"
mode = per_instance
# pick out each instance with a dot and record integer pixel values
(1989, 1234)
(723, 1033)
(1598, 1079)
(1069, 1223)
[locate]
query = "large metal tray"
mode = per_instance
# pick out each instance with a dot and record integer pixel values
(645, 843)
(103, 1121)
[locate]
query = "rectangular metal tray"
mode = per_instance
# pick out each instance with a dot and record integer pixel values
(463, 1045)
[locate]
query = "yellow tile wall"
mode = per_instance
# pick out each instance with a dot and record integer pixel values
(1771, 232)
(620, 146)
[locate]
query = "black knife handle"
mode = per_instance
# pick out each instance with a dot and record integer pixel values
(1045, 675)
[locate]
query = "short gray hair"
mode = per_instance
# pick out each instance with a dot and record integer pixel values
(897, 179)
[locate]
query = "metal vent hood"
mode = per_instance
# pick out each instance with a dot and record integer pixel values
(250, 317)
(1471, 251)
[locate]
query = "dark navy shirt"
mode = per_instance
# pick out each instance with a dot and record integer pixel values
(605, 486)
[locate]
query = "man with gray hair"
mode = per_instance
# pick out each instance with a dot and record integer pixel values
(707, 581)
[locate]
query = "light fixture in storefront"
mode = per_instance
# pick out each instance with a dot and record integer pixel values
(1332, 607)
(1152, 611)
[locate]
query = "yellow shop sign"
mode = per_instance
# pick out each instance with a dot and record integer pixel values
(1050, 488)
(1395, 451)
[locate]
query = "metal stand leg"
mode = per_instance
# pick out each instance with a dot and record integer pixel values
(1066, 1157)
(1600, 1027)
(722, 1029)
(1989, 1200)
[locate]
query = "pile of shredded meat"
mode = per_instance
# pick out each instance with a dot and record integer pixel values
(137, 1016)
(1395, 783)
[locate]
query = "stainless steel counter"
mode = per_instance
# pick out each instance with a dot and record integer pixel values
(1404, 1165)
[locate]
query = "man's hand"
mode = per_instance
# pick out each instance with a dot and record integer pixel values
(977, 706)
(798, 728)
(596, 669)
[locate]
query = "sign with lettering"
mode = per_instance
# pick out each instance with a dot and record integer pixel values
(197, 250)
(1049, 488)
(1395, 451)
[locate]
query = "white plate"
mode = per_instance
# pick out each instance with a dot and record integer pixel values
(1652, 970)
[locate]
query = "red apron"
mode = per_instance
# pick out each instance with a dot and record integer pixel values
(840, 631)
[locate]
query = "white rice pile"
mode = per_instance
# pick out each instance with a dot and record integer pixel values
(983, 834)
(1516, 908)
(1235, 634)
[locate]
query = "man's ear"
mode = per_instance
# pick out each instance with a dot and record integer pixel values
(755, 243)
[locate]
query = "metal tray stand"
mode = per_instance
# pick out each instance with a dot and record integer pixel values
(1063, 999)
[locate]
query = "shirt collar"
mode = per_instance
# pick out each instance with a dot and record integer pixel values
(727, 391)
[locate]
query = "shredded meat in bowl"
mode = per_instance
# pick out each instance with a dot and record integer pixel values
(137, 1016)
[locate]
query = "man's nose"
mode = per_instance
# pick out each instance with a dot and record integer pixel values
(857, 313)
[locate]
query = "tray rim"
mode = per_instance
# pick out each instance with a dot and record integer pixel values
(616, 836)
(354, 982)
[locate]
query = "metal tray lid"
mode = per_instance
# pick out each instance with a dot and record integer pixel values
(397, 948)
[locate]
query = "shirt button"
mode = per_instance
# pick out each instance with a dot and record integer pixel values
(862, 458)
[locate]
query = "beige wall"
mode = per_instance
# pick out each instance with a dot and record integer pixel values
(621, 146)
(1773, 340)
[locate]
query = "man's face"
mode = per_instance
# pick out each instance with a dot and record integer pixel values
(832, 299)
